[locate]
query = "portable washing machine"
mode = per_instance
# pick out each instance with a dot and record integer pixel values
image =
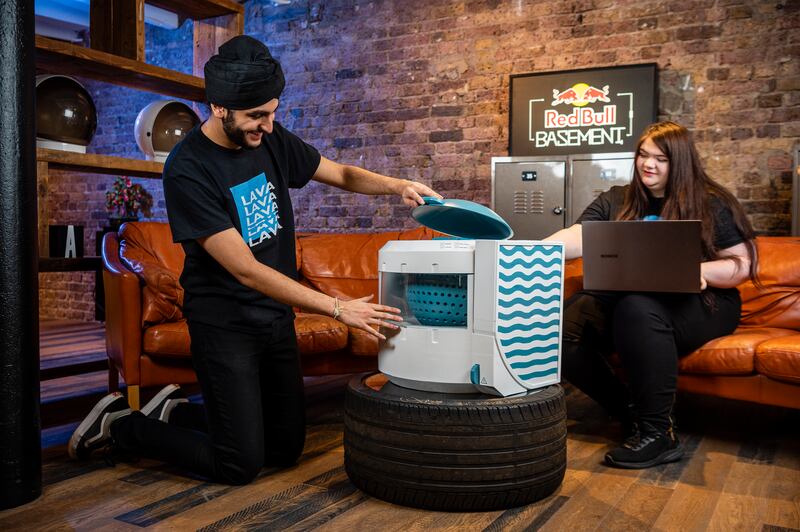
(480, 312)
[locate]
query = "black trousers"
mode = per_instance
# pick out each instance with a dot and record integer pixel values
(253, 411)
(649, 332)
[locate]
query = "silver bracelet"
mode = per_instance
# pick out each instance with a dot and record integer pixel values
(337, 308)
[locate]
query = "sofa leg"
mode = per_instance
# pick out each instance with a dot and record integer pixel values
(133, 397)
(113, 379)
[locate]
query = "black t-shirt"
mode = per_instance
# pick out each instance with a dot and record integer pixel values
(209, 188)
(608, 204)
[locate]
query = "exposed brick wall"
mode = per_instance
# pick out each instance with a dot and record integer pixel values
(419, 89)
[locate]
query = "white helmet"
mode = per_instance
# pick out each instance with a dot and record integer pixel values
(161, 125)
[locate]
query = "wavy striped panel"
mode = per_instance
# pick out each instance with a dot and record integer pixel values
(529, 251)
(528, 314)
(509, 277)
(544, 349)
(532, 288)
(528, 301)
(529, 305)
(530, 263)
(529, 339)
(524, 326)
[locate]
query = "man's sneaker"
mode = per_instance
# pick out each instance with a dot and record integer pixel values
(95, 431)
(647, 448)
(160, 406)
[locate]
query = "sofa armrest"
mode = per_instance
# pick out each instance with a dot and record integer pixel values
(573, 277)
(123, 297)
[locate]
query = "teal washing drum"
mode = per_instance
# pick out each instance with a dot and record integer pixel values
(438, 300)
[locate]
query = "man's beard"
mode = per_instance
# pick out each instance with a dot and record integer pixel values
(234, 134)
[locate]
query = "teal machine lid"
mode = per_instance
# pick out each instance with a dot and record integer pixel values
(462, 218)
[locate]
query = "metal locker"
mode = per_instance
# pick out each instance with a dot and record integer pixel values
(537, 196)
(529, 193)
(592, 174)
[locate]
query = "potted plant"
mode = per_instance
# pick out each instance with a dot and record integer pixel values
(125, 200)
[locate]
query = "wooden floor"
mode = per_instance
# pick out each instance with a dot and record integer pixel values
(742, 472)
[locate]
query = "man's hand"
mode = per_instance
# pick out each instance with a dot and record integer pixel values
(413, 192)
(361, 314)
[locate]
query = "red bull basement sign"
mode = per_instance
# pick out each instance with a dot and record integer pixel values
(581, 111)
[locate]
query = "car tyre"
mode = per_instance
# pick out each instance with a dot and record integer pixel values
(453, 452)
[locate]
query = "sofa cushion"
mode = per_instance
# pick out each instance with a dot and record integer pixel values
(729, 355)
(147, 249)
(779, 358)
(362, 343)
(315, 334)
(167, 340)
(573, 277)
(154, 241)
(346, 265)
(778, 303)
(319, 334)
(162, 295)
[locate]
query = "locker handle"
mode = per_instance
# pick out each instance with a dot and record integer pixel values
(558, 210)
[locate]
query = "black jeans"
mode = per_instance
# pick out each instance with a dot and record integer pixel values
(649, 332)
(253, 411)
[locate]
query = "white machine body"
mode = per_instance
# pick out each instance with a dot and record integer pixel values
(509, 342)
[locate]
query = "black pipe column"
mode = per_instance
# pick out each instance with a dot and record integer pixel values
(20, 429)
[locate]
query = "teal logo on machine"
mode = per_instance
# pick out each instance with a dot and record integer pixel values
(529, 310)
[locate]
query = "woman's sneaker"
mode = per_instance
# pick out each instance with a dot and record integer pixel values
(95, 431)
(649, 447)
(160, 407)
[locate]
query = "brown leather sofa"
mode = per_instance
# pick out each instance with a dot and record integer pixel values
(147, 339)
(148, 342)
(760, 361)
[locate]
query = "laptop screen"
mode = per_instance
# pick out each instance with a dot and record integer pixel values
(642, 256)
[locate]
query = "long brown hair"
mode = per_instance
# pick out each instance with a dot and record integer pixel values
(688, 192)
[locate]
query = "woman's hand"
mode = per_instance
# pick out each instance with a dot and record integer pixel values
(572, 237)
(412, 193)
(361, 314)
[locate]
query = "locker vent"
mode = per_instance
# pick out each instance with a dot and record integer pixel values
(537, 202)
(520, 202)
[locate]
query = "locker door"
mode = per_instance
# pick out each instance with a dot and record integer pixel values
(529, 195)
(593, 174)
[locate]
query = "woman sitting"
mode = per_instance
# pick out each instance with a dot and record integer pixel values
(650, 331)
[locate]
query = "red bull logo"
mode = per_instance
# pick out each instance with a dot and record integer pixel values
(580, 94)
(581, 117)
(583, 126)
(581, 111)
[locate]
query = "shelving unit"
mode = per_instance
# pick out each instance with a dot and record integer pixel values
(82, 264)
(116, 56)
(57, 57)
(201, 9)
(99, 164)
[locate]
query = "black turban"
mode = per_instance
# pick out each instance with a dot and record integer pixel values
(243, 75)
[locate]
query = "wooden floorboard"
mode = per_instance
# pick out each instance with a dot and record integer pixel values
(741, 472)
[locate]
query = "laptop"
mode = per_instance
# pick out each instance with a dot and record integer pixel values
(642, 256)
